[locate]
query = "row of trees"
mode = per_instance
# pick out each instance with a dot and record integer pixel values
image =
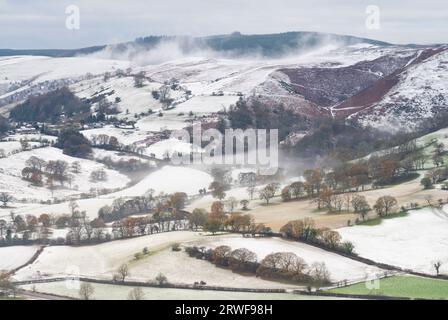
(166, 215)
(305, 230)
(218, 219)
(285, 266)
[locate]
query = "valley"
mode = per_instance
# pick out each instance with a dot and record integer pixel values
(90, 196)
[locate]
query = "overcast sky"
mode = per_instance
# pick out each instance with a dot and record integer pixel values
(42, 23)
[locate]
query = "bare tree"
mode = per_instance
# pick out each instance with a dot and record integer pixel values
(231, 203)
(437, 266)
(36, 163)
(74, 207)
(161, 279)
(98, 175)
(360, 205)
(123, 271)
(320, 274)
(136, 294)
(251, 189)
(268, 192)
(86, 291)
(385, 205)
(244, 203)
(76, 167)
(241, 259)
(5, 198)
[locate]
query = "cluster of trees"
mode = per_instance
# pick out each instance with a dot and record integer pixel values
(125, 165)
(4, 125)
(98, 175)
(104, 107)
(341, 140)
(49, 107)
(164, 94)
(105, 141)
(7, 287)
(305, 230)
(257, 114)
(163, 204)
(440, 172)
(285, 266)
(29, 228)
(74, 144)
(218, 219)
(166, 216)
(53, 170)
(39, 171)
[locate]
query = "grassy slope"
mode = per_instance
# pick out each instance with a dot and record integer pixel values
(402, 286)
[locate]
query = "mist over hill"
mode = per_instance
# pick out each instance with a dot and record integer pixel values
(235, 44)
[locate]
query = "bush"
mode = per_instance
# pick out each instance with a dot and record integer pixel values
(74, 144)
(161, 279)
(426, 183)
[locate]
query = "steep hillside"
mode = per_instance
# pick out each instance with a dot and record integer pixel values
(417, 93)
(50, 107)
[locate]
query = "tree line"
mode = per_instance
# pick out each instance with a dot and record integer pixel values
(284, 266)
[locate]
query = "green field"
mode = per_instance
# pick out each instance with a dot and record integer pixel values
(378, 220)
(402, 286)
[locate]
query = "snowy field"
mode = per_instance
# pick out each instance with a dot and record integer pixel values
(187, 180)
(14, 257)
(100, 260)
(116, 156)
(111, 292)
(193, 270)
(170, 147)
(133, 100)
(340, 268)
(419, 88)
(412, 242)
(205, 104)
(11, 176)
(45, 68)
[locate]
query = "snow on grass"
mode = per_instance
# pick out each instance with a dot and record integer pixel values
(124, 136)
(169, 147)
(419, 95)
(100, 260)
(340, 268)
(14, 257)
(412, 242)
(116, 156)
(205, 104)
(46, 68)
(31, 136)
(169, 179)
(132, 100)
(155, 123)
(119, 292)
(10, 146)
(11, 178)
(178, 267)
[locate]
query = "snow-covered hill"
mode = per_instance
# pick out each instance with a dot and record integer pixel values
(380, 85)
(421, 93)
